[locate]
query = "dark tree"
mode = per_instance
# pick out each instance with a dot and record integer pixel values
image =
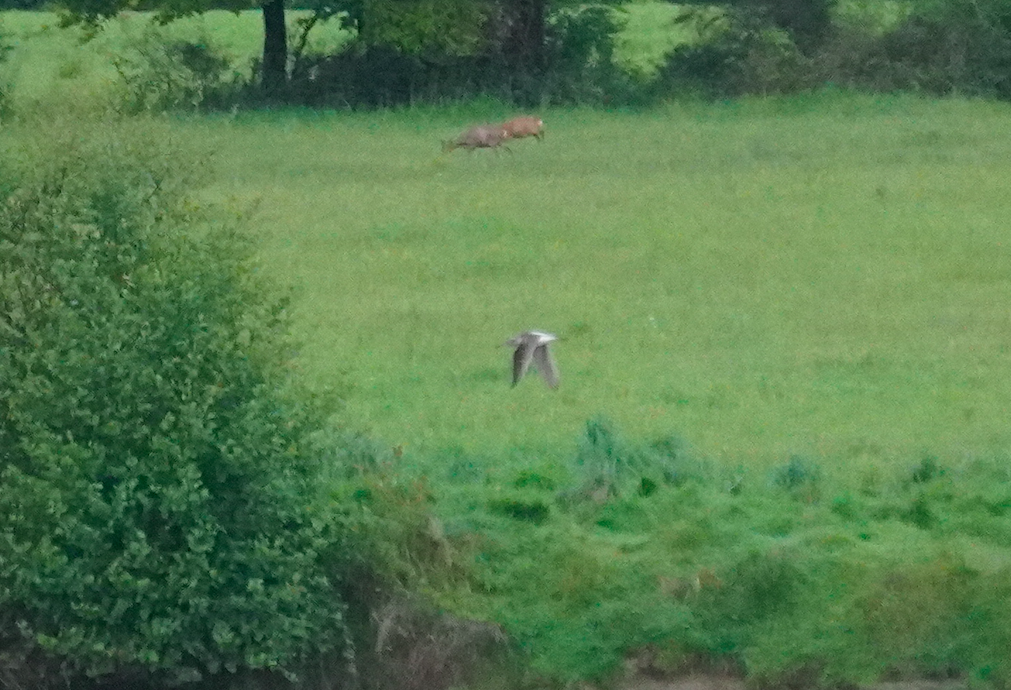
(807, 21)
(524, 41)
(275, 49)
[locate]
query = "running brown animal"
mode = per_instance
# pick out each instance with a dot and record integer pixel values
(480, 137)
(525, 126)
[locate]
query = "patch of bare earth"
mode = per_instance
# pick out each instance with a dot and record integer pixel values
(695, 681)
(702, 681)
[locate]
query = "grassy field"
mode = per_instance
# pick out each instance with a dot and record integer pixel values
(808, 292)
(818, 276)
(821, 276)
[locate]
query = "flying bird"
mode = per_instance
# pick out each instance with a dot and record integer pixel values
(532, 346)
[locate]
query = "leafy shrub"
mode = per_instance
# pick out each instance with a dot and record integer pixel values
(955, 46)
(737, 55)
(750, 47)
(402, 66)
(933, 47)
(449, 27)
(157, 512)
(581, 56)
(808, 22)
(780, 46)
(158, 73)
(381, 76)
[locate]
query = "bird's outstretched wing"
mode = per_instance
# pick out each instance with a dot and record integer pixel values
(521, 360)
(546, 365)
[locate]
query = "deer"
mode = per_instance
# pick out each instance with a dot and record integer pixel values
(525, 126)
(480, 137)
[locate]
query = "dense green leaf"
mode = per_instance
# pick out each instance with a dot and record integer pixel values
(156, 467)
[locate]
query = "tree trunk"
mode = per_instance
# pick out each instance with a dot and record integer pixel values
(274, 76)
(524, 46)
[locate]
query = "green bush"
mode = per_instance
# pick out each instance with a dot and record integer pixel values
(736, 55)
(582, 67)
(955, 46)
(157, 511)
(158, 73)
(940, 47)
(455, 54)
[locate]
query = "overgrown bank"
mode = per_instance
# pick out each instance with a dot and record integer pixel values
(644, 558)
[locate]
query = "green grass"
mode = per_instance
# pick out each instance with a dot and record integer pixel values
(809, 292)
(816, 275)
(788, 576)
(821, 275)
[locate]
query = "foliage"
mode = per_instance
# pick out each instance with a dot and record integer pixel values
(157, 73)
(94, 12)
(420, 52)
(737, 54)
(412, 53)
(582, 63)
(384, 77)
(410, 57)
(933, 47)
(180, 72)
(959, 46)
(429, 27)
(22, 5)
(808, 22)
(416, 32)
(157, 467)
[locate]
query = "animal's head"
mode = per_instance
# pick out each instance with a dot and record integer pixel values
(448, 145)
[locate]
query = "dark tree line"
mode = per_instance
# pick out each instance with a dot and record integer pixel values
(563, 51)
(519, 28)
